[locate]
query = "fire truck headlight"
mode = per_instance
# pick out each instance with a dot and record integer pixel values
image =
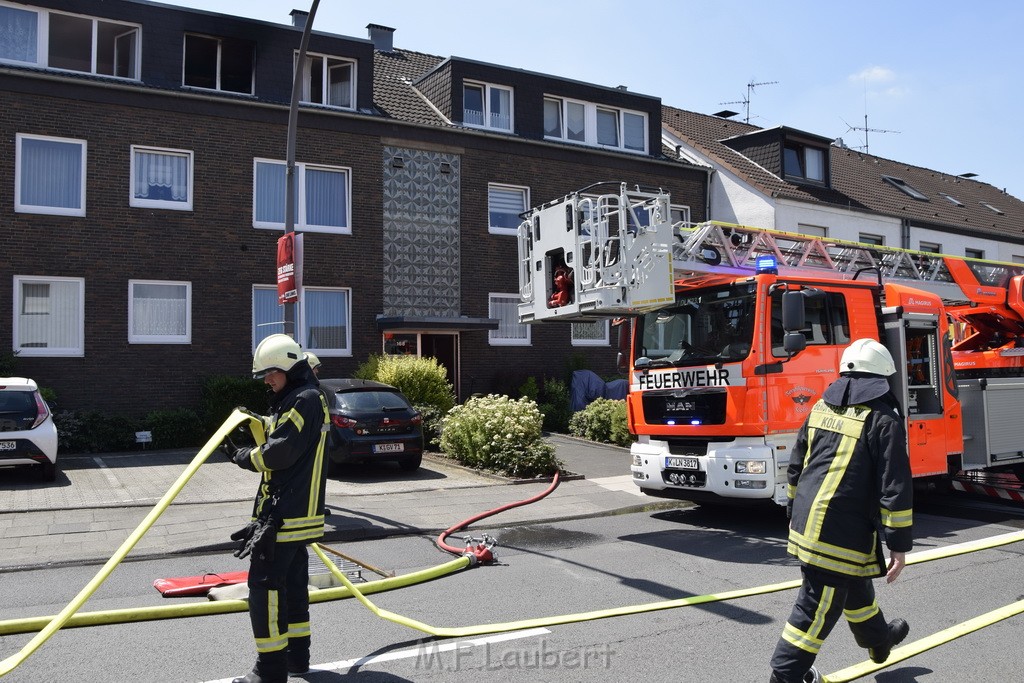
(638, 460)
(750, 467)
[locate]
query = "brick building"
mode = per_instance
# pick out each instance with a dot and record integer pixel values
(142, 184)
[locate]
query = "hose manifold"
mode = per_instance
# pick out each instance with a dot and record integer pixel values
(481, 550)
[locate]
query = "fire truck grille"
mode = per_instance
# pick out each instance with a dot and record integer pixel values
(704, 408)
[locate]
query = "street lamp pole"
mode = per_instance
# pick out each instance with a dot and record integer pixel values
(293, 119)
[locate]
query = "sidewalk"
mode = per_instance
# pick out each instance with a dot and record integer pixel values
(105, 498)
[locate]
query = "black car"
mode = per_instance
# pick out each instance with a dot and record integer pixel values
(371, 421)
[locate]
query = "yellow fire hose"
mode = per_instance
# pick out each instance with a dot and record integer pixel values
(465, 631)
(236, 419)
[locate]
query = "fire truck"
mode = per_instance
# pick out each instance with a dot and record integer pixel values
(730, 334)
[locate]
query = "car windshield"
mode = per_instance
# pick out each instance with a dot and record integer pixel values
(372, 400)
(704, 326)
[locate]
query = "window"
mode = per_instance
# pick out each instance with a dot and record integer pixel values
(591, 124)
(70, 42)
(49, 316)
(876, 240)
(803, 162)
(590, 333)
(323, 318)
(321, 197)
(219, 64)
(974, 253)
(510, 332)
(812, 230)
(504, 204)
(680, 214)
(161, 178)
(930, 247)
(1017, 258)
(488, 106)
(952, 199)
(159, 312)
(991, 208)
(826, 320)
(905, 188)
(50, 176)
(330, 81)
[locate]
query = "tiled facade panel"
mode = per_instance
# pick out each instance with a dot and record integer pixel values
(421, 260)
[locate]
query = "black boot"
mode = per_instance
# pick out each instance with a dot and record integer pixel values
(271, 667)
(298, 655)
(811, 676)
(897, 631)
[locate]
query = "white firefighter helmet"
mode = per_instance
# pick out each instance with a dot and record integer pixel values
(276, 352)
(313, 361)
(867, 355)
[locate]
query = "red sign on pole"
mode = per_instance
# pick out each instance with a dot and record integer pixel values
(289, 267)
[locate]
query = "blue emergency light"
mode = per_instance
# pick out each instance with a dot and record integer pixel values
(767, 264)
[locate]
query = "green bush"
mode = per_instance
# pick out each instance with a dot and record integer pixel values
(432, 418)
(94, 432)
(176, 428)
(8, 362)
(368, 368)
(497, 433)
(528, 389)
(603, 420)
(424, 381)
(554, 405)
(221, 394)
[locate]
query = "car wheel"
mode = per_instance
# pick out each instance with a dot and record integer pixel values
(412, 463)
(49, 471)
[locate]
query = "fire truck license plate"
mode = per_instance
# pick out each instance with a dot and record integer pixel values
(681, 463)
(388, 448)
(8, 445)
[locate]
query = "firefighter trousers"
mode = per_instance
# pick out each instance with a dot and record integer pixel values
(823, 597)
(279, 608)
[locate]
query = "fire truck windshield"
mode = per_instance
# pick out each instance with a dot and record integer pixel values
(703, 326)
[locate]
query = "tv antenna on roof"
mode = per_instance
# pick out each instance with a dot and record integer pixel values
(867, 130)
(746, 101)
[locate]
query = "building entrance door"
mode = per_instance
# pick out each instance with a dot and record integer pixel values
(444, 346)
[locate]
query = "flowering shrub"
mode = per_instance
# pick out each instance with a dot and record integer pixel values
(603, 420)
(498, 433)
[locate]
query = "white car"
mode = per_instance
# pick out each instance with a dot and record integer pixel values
(27, 433)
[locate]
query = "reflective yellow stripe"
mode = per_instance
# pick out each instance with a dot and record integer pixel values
(856, 616)
(818, 546)
(300, 535)
(897, 519)
(276, 640)
(299, 522)
(822, 562)
(790, 491)
(823, 496)
(847, 420)
(299, 630)
(318, 463)
(293, 415)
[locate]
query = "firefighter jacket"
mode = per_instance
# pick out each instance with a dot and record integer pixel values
(292, 460)
(850, 484)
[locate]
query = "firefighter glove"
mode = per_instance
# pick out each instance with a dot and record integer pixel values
(241, 458)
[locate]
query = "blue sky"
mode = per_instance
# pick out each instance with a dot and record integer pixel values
(943, 77)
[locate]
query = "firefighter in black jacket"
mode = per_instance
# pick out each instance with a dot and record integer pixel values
(288, 512)
(849, 488)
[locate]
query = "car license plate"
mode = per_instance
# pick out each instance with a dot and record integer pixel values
(8, 445)
(681, 463)
(388, 447)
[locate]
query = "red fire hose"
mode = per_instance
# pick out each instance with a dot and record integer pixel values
(481, 553)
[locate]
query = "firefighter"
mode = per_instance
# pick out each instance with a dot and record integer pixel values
(314, 363)
(849, 489)
(288, 512)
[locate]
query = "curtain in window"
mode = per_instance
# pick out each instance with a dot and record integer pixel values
(505, 206)
(607, 128)
(270, 190)
(501, 109)
(553, 118)
(51, 173)
(18, 35)
(506, 310)
(576, 122)
(340, 88)
(326, 198)
(633, 132)
(326, 319)
(267, 314)
(159, 310)
(48, 315)
(590, 331)
(473, 105)
(161, 176)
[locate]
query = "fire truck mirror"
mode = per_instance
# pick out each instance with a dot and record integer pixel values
(793, 317)
(794, 342)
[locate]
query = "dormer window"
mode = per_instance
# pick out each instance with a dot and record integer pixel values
(330, 81)
(803, 162)
(219, 64)
(590, 124)
(905, 188)
(487, 106)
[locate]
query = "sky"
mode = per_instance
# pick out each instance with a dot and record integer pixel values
(939, 81)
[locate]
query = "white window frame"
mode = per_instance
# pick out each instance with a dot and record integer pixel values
(219, 86)
(275, 326)
(20, 207)
(48, 351)
(812, 230)
(926, 247)
(42, 56)
(869, 238)
(487, 113)
(184, 338)
(300, 198)
(589, 342)
(161, 203)
(590, 124)
(500, 230)
(307, 85)
(494, 340)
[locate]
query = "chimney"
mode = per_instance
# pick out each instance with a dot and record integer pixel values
(382, 37)
(299, 18)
